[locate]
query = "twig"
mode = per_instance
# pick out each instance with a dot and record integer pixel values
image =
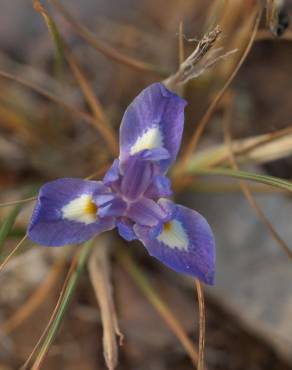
(202, 324)
(191, 67)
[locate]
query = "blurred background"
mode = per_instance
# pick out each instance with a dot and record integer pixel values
(249, 310)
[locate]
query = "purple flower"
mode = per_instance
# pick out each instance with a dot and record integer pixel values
(132, 195)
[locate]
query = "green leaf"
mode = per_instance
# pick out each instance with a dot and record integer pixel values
(244, 175)
(66, 298)
(7, 225)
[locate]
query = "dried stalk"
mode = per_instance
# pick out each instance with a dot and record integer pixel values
(99, 272)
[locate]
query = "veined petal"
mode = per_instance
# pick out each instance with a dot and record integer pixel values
(137, 177)
(65, 213)
(146, 212)
(112, 174)
(160, 187)
(114, 208)
(154, 120)
(185, 244)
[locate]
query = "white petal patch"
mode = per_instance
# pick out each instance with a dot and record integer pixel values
(174, 236)
(151, 139)
(81, 209)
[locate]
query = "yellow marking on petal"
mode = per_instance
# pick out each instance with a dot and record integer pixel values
(91, 208)
(151, 139)
(167, 227)
(81, 209)
(174, 236)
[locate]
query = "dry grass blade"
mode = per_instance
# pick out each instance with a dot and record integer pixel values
(245, 188)
(173, 323)
(197, 62)
(99, 272)
(205, 119)
(255, 149)
(181, 49)
(35, 300)
(71, 269)
(87, 117)
(202, 324)
(11, 254)
(15, 202)
(104, 48)
(43, 345)
(101, 122)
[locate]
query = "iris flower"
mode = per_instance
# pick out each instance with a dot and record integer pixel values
(134, 194)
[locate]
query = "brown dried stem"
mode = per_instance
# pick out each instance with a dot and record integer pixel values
(100, 118)
(202, 324)
(103, 47)
(87, 117)
(206, 118)
(99, 272)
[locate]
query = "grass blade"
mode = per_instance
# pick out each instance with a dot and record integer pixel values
(55, 35)
(244, 175)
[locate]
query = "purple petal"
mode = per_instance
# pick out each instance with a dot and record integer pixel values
(65, 213)
(125, 229)
(114, 208)
(186, 244)
(153, 120)
(160, 187)
(155, 155)
(112, 174)
(137, 177)
(146, 212)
